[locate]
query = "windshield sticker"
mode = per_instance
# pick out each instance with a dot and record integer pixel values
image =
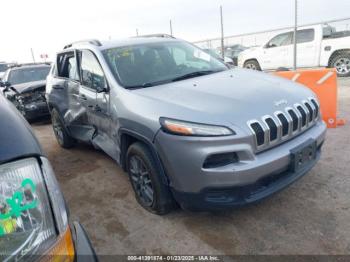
(15, 207)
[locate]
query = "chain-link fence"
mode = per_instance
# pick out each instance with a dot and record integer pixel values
(262, 37)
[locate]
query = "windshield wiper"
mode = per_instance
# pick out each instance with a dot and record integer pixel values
(195, 74)
(145, 85)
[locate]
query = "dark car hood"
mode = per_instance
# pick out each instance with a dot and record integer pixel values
(29, 87)
(16, 137)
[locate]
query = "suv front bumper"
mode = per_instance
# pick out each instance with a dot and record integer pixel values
(254, 177)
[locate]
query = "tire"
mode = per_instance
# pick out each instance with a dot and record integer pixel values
(146, 180)
(60, 131)
(252, 64)
(282, 69)
(341, 62)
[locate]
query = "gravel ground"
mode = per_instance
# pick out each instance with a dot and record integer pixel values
(310, 217)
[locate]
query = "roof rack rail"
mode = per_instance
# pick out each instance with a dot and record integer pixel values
(158, 35)
(88, 41)
(28, 64)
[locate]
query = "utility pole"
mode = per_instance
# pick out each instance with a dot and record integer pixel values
(31, 50)
(171, 28)
(222, 34)
(295, 34)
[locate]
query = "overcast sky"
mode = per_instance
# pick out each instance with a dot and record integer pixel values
(47, 25)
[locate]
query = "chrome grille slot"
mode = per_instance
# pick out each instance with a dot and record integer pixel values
(281, 125)
(295, 119)
(316, 107)
(285, 124)
(273, 128)
(259, 133)
(303, 115)
(311, 112)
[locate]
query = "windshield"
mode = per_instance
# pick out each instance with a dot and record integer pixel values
(157, 63)
(3, 67)
(25, 75)
(213, 53)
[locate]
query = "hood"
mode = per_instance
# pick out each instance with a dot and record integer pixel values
(233, 96)
(250, 51)
(30, 86)
(17, 138)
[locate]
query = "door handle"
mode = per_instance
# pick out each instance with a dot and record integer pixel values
(83, 97)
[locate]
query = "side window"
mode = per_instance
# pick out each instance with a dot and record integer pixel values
(92, 75)
(306, 35)
(72, 69)
(281, 40)
(67, 66)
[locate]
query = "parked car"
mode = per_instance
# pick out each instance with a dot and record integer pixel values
(185, 127)
(318, 46)
(24, 86)
(33, 214)
(3, 67)
(217, 55)
(233, 51)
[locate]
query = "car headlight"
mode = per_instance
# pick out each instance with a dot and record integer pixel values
(33, 218)
(185, 128)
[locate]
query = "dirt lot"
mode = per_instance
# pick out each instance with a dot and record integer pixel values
(310, 217)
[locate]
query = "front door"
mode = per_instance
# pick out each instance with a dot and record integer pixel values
(275, 51)
(95, 90)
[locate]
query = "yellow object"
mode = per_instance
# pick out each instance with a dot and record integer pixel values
(9, 225)
(63, 250)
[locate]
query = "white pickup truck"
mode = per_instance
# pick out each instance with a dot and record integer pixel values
(317, 46)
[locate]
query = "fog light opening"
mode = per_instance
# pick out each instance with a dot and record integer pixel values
(218, 160)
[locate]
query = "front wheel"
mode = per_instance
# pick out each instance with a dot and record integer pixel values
(341, 62)
(252, 64)
(62, 136)
(146, 180)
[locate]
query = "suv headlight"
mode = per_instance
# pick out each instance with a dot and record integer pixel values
(179, 127)
(33, 218)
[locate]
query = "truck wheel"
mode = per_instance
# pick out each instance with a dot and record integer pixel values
(62, 136)
(146, 180)
(252, 64)
(341, 62)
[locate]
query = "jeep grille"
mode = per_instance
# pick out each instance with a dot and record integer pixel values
(285, 124)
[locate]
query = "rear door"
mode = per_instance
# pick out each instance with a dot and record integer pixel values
(307, 48)
(72, 106)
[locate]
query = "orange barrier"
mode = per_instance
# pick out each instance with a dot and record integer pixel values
(324, 83)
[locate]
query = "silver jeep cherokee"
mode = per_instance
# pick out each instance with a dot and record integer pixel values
(187, 129)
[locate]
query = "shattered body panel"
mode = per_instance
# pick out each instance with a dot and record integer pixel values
(29, 99)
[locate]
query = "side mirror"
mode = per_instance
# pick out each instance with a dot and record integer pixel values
(101, 89)
(269, 45)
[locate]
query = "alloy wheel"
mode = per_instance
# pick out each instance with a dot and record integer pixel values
(57, 128)
(141, 180)
(342, 65)
(251, 66)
